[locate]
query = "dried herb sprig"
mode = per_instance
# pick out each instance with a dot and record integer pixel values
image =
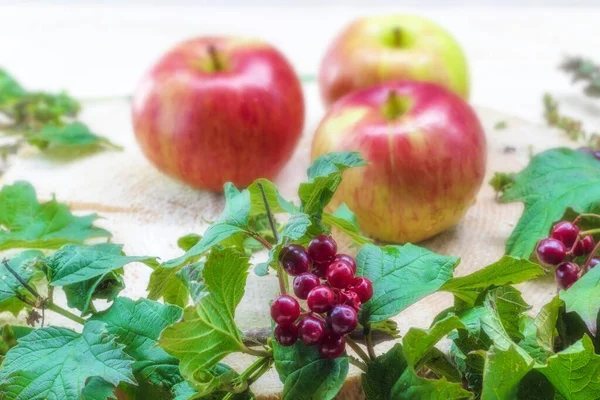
(582, 69)
(571, 126)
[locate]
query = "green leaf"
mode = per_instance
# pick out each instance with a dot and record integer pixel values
(324, 177)
(417, 342)
(506, 302)
(401, 276)
(277, 203)
(436, 361)
(552, 182)
(319, 380)
(535, 386)
(75, 136)
(345, 220)
(191, 277)
(138, 325)
(98, 389)
(82, 294)
(502, 181)
(208, 331)
(507, 270)
(410, 386)
(383, 373)
(25, 265)
(26, 223)
(575, 372)
(188, 241)
(233, 220)
(75, 263)
(165, 283)
(540, 333)
(219, 384)
(56, 363)
(503, 371)
(10, 89)
(583, 298)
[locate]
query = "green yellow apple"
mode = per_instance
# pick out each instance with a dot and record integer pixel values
(378, 49)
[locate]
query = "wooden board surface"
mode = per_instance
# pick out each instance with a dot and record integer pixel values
(148, 211)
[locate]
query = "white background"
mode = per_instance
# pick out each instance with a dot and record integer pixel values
(97, 49)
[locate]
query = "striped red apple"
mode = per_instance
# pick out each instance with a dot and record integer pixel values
(427, 154)
(215, 109)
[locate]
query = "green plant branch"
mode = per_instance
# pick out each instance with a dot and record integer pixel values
(260, 239)
(589, 232)
(280, 273)
(65, 313)
(256, 352)
(369, 342)
(357, 349)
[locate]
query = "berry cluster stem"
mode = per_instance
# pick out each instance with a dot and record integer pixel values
(589, 259)
(369, 342)
(589, 232)
(280, 273)
(357, 349)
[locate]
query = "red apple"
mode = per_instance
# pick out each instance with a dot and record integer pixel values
(427, 154)
(216, 109)
(379, 49)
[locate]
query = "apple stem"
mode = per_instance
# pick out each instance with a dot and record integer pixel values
(214, 57)
(397, 34)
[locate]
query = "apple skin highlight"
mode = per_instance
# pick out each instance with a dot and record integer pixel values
(215, 109)
(426, 164)
(378, 49)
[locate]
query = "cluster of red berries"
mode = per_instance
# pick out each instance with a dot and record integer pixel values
(333, 295)
(561, 248)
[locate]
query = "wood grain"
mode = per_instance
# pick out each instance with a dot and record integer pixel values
(148, 211)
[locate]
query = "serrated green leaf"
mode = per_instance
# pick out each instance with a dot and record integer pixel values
(98, 389)
(82, 294)
(233, 220)
(324, 177)
(319, 380)
(583, 298)
(552, 182)
(507, 270)
(276, 202)
(75, 263)
(401, 276)
(138, 325)
(417, 342)
(73, 137)
(191, 277)
(26, 223)
(575, 372)
(164, 283)
(539, 334)
(535, 386)
(24, 264)
(507, 303)
(383, 373)
(437, 362)
(503, 371)
(410, 386)
(208, 331)
(55, 363)
(345, 220)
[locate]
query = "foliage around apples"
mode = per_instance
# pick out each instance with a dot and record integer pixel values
(486, 345)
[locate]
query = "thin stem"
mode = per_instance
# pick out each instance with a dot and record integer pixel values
(256, 365)
(589, 232)
(357, 349)
(21, 280)
(589, 259)
(260, 239)
(369, 342)
(268, 210)
(256, 352)
(585, 215)
(280, 273)
(357, 363)
(61, 311)
(214, 57)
